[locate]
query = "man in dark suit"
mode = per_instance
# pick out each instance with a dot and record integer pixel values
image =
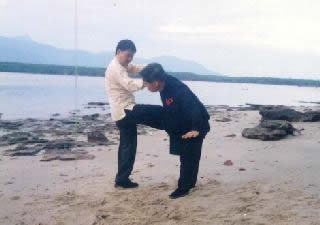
(186, 120)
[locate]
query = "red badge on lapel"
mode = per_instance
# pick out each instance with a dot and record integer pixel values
(169, 101)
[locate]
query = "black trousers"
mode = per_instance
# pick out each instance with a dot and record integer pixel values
(150, 115)
(189, 163)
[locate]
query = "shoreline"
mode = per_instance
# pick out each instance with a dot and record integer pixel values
(103, 109)
(184, 76)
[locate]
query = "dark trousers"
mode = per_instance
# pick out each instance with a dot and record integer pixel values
(150, 115)
(189, 163)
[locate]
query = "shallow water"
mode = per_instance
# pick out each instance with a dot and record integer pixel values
(39, 96)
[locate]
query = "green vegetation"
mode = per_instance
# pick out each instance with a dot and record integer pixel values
(49, 69)
(93, 71)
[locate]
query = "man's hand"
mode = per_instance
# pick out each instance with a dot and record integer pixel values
(191, 134)
(143, 85)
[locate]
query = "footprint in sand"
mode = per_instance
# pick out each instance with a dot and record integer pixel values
(213, 182)
(14, 198)
(8, 183)
(159, 202)
(163, 186)
(101, 216)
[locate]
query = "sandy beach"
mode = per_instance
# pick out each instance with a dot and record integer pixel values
(268, 183)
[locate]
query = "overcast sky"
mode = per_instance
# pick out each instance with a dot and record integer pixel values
(233, 37)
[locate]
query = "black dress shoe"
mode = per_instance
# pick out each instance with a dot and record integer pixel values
(127, 184)
(178, 193)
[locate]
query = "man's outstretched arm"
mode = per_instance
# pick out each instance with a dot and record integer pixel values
(135, 69)
(129, 83)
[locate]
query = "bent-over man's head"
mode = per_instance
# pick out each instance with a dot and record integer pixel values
(154, 77)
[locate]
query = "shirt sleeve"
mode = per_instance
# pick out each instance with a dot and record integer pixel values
(135, 69)
(129, 83)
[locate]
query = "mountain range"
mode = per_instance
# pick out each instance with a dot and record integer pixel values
(25, 50)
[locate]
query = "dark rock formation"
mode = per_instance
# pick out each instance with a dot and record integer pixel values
(312, 116)
(67, 156)
(10, 125)
(98, 103)
(91, 117)
(20, 138)
(59, 145)
(288, 114)
(280, 113)
(23, 150)
(97, 137)
(270, 130)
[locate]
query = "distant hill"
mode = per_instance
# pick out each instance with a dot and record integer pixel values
(175, 64)
(25, 50)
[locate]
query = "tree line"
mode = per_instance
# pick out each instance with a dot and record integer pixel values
(99, 71)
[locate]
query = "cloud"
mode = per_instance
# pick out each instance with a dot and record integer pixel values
(196, 30)
(3, 3)
(209, 32)
(271, 27)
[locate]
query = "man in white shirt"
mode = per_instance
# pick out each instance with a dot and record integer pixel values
(125, 112)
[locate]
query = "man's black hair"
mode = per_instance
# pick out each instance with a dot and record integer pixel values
(124, 45)
(153, 72)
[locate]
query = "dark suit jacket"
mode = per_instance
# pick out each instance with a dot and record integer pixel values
(183, 112)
